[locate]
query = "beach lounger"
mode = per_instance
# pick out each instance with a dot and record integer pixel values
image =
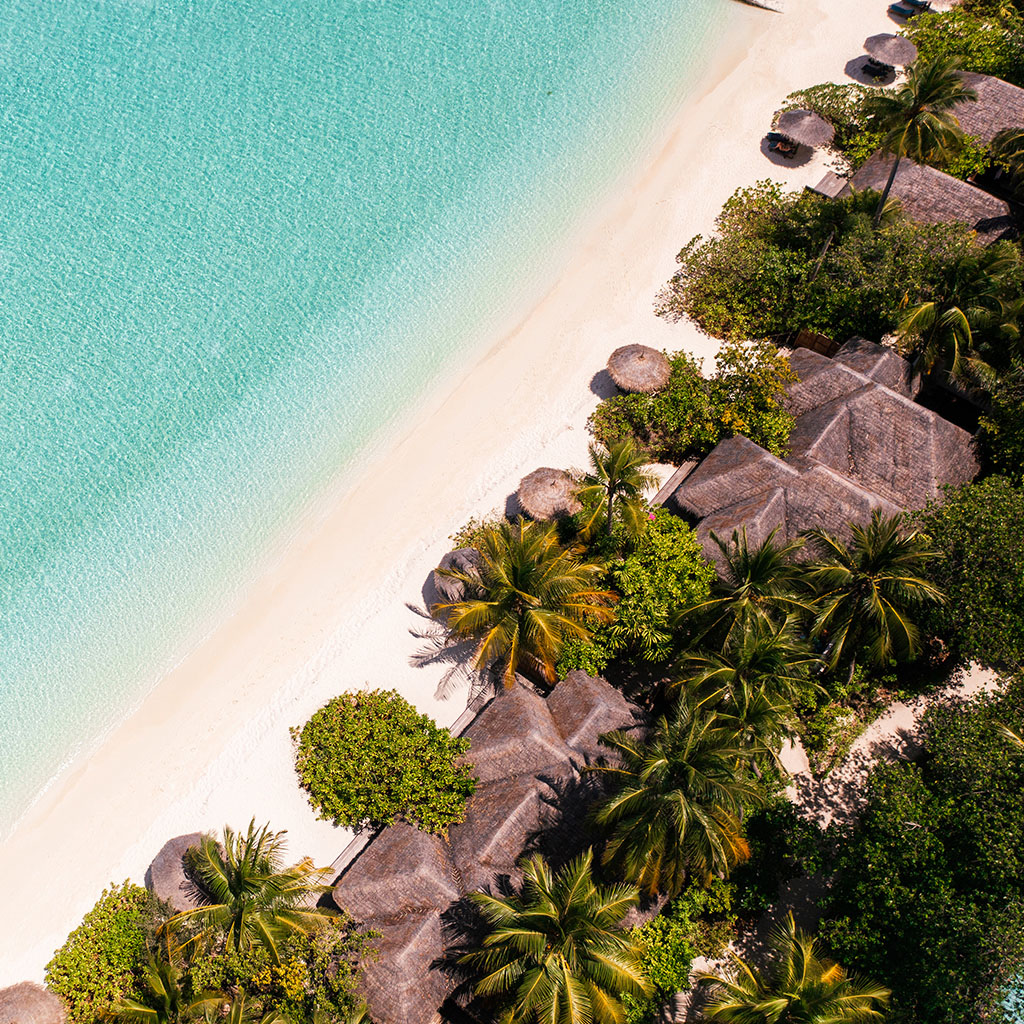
(876, 69)
(778, 143)
(902, 11)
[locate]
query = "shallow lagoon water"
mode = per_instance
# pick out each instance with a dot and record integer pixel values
(239, 239)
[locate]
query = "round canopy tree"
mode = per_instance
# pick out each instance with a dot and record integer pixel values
(370, 758)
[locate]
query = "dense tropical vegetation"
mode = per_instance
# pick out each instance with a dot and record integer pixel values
(369, 758)
(256, 948)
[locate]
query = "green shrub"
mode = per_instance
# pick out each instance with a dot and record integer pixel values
(665, 571)
(101, 960)
(694, 413)
(987, 38)
(929, 888)
(781, 261)
(844, 107)
(977, 530)
(368, 758)
(698, 922)
(1001, 433)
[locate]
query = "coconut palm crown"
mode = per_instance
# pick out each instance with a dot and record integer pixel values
(917, 118)
(798, 988)
(677, 801)
(250, 899)
(870, 588)
(555, 951)
(616, 481)
(529, 596)
(756, 584)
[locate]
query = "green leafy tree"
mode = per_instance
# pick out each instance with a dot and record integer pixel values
(974, 320)
(756, 586)
(555, 952)
(1000, 434)
(980, 567)
(369, 758)
(800, 986)
(928, 894)
(617, 480)
(917, 118)
(666, 570)
(870, 589)
(103, 959)
(1008, 150)
(530, 597)
(676, 803)
(251, 898)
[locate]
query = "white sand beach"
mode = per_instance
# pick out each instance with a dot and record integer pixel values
(329, 612)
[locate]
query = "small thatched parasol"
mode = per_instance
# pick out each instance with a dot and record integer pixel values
(639, 368)
(547, 494)
(465, 560)
(805, 128)
(889, 49)
(168, 877)
(29, 1003)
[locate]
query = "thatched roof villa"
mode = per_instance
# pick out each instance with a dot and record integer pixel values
(860, 443)
(999, 105)
(28, 1003)
(524, 747)
(933, 197)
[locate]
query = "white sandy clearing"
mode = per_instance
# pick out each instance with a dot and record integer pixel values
(210, 744)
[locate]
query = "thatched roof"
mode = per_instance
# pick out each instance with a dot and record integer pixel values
(465, 560)
(584, 707)
(401, 987)
(167, 877)
(889, 49)
(805, 127)
(857, 446)
(548, 494)
(500, 818)
(29, 1003)
(932, 197)
(880, 364)
(638, 368)
(999, 105)
(514, 735)
(403, 870)
(888, 444)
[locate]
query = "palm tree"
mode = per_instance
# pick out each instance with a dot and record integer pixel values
(250, 898)
(530, 596)
(799, 988)
(868, 590)
(616, 478)
(978, 310)
(755, 584)
(163, 1001)
(918, 118)
(677, 801)
(557, 949)
(1008, 149)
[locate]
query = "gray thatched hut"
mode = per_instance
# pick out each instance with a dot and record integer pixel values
(583, 707)
(413, 869)
(806, 128)
(999, 105)
(639, 368)
(464, 560)
(168, 878)
(29, 1003)
(932, 197)
(402, 986)
(896, 51)
(548, 494)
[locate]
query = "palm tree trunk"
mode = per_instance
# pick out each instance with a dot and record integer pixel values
(611, 502)
(821, 255)
(886, 191)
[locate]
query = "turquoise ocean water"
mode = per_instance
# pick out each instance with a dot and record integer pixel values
(239, 237)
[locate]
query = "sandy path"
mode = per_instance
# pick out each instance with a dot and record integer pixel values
(329, 611)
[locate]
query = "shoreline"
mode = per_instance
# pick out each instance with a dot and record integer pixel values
(328, 611)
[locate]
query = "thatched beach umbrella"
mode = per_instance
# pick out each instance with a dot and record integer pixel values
(465, 560)
(168, 878)
(547, 494)
(639, 368)
(896, 51)
(805, 127)
(28, 1003)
